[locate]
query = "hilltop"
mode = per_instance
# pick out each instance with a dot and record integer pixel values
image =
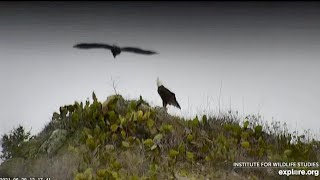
(129, 139)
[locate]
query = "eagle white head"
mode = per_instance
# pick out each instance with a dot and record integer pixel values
(159, 83)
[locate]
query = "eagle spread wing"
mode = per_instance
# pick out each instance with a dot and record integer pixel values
(92, 45)
(138, 50)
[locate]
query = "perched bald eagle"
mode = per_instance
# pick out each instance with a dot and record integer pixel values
(116, 50)
(166, 95)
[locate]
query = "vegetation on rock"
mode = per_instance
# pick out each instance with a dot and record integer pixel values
(128, 139)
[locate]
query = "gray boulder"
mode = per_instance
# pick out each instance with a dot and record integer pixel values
(116, 103)
(54, 142)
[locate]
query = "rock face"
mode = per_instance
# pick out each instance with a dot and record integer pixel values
(54, 142)
(120, 106)
(144, 107)
(114, 102)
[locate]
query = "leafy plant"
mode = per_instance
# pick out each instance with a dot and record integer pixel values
(14, 142)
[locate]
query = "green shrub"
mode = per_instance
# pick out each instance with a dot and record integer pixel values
(14, 142)
(142, 142)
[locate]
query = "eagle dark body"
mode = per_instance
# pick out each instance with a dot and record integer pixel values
(116, 50)
(168, 97)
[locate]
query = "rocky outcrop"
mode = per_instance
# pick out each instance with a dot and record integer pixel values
(116, 103)
(54, 142)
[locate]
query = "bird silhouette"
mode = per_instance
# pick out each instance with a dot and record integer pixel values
(116, 50)
(167, 96)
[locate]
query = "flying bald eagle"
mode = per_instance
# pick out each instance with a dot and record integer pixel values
(166, 95)
(116, 50)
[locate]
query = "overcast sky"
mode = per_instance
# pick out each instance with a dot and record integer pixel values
(255, 57)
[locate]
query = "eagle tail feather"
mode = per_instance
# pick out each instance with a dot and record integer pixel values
(176, 104)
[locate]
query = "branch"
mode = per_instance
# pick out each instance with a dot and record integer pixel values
(114, 86)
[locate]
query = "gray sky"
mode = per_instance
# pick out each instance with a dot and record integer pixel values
(264, 56)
